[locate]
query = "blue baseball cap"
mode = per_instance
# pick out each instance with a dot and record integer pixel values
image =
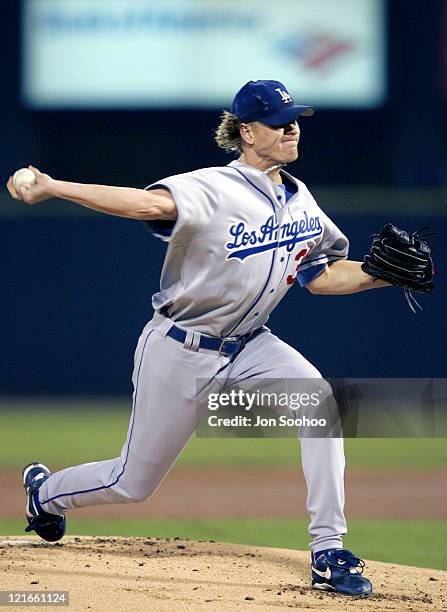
(268, 102)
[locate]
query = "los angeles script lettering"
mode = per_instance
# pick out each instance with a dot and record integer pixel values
(270, 231)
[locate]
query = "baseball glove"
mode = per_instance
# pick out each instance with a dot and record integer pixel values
(402, 259)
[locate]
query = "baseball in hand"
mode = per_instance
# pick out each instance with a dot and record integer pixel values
(23, 178)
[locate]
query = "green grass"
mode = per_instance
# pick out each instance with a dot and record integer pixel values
(85, 431)
(406, 542)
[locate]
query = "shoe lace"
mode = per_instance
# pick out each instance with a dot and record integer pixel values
(349, 560)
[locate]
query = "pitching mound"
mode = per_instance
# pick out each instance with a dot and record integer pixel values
(136, 574)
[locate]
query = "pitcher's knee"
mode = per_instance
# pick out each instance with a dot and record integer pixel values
(135, 491)
(138, 496)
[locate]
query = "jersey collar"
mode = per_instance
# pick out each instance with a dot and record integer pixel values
(262, 178)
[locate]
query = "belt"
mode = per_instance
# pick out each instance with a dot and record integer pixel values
(224, 346)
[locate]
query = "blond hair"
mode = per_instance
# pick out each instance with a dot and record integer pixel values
(227, 135)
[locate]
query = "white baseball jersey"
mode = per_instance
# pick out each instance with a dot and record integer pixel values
(238, 246)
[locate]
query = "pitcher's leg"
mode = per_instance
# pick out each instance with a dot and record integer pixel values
(323, 459)
(323, 464)
(163, 419)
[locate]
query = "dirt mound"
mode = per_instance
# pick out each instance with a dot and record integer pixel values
(136, 574)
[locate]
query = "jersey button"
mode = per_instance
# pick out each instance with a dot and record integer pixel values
(256, 315)
(272, 291)
(282, 259)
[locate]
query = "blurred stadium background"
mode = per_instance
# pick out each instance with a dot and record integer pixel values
(128, 91)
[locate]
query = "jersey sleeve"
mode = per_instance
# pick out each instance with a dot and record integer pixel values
(195, 198)
(333, 245)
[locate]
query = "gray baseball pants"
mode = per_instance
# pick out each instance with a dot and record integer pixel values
(164, 417)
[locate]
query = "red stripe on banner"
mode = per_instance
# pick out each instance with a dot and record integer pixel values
(329, 53)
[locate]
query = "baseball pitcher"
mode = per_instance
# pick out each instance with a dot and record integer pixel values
(239, 236)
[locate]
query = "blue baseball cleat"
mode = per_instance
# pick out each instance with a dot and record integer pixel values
(339, 570)
(50, 527)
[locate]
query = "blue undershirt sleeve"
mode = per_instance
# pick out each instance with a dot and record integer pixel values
(308, 275)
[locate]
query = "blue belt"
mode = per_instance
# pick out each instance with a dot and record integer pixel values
(224, 346)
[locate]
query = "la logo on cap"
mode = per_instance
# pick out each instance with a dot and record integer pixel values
(285, 97)
(268, 102)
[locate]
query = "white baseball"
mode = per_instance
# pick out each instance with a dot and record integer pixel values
(23, 178)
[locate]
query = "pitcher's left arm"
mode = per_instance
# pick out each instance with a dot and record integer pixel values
(343, 277)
